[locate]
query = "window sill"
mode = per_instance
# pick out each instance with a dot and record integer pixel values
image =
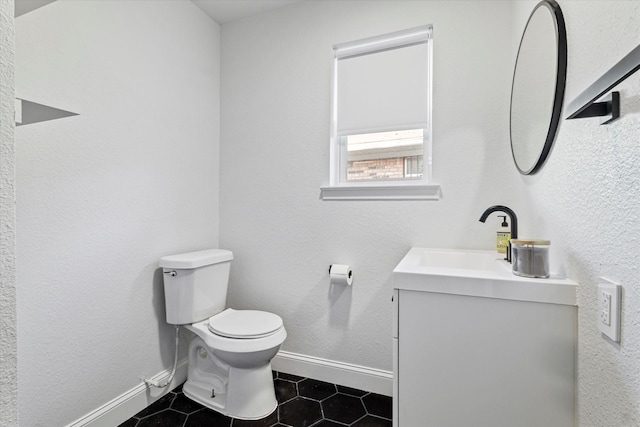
(382, 192)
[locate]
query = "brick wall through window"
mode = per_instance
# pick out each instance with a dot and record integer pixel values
(376, 169)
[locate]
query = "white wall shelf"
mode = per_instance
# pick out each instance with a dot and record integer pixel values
(28, 112)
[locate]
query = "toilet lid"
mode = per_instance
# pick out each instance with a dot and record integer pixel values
(244, 323)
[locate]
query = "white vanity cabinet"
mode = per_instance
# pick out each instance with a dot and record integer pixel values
(482, 350)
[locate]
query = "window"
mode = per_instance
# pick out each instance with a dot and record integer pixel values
(385, 155)
(381, 118)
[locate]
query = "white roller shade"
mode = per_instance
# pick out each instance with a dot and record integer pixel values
(384, 89)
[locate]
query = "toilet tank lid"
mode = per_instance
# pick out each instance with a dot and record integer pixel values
(196, 259)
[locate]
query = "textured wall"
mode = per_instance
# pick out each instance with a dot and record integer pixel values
(587, 201)
(103, 195)
(276, 78)
(8, 344)
(275, 72)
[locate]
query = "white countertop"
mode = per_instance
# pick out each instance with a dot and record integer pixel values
(476, 273)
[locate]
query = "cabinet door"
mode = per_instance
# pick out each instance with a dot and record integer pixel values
(469, 361)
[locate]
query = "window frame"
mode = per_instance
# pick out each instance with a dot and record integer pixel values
(401, 189)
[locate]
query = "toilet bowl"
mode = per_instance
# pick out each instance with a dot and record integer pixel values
(229, 360)
(232, 375)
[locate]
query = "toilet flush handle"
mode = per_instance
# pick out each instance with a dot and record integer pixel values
(171, 273)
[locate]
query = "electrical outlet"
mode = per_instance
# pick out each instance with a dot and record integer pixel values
(609, 308)
(605, 307)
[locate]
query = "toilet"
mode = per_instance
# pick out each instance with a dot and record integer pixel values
(229, 359)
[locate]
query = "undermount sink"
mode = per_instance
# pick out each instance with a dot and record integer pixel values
(476, 273)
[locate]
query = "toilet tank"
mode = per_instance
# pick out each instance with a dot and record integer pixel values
(195, 284)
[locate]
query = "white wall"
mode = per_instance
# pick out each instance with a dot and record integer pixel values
(275, 98)
(103, 195)
(587, 201)
(8, 343)
(276, 74)
(86, 209)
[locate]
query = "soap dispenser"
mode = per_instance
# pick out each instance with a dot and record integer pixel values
(503, 236)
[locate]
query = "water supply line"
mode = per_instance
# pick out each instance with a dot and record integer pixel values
(157, 384)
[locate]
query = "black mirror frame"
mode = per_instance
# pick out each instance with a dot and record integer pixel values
(561, 77)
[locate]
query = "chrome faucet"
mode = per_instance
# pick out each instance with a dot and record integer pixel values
(512, 217)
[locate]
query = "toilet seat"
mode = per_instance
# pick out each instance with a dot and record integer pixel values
(235, 345)
(244, 324)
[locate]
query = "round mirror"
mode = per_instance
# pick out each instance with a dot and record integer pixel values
(538, 87)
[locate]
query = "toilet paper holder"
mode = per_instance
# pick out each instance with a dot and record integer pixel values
(340, 274)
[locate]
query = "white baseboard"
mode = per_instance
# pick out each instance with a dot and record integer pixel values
(131, 402)
(345, 374)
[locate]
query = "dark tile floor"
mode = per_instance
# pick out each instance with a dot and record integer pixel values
(302, 402)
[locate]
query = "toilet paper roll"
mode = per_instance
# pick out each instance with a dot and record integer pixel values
(340, 274)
